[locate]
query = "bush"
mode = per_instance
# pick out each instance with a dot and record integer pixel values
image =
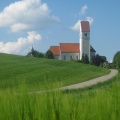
(35, 53)
(49, 55)
(112, 66)
(96, 60)
(116, 59)
(85, 59)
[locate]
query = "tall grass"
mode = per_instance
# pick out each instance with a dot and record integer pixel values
(19, 75)
(56, 105)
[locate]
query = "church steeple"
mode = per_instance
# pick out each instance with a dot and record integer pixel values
(32, 51)
(84, 39)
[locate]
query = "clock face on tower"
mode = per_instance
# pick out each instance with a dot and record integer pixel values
(85, 34)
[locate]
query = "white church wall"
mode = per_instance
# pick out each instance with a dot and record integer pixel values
(57, 57)
(85, 44)
(86, 47)
(70, 56)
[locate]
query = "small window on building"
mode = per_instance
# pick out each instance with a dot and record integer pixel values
(71, 57)
(77, 57)
(64, 57)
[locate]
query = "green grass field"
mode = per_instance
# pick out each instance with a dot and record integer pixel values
(40, 74)
(99, 102)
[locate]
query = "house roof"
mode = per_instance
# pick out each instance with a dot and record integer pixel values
(84, 26)
(92, 49)
(69, 47)
(55, 50)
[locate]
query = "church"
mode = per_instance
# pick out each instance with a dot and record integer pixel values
(75, 51)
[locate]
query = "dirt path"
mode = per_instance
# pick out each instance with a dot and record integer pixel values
(84, 84)
(92, 81)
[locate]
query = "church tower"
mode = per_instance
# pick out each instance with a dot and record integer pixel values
(84, 39)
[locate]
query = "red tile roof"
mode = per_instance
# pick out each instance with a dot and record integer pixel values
(55, 50)
(69, 47)
(84, 26)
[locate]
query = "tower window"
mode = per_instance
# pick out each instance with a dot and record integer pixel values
(64, 57)
(85, 34)
(77, 57)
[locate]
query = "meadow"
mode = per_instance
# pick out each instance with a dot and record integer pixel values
(40, 74)
(98, 102)
(102, 103)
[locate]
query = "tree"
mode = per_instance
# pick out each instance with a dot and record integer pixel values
(116, 59)
(38, 54)
(103, 59)
(49, 55)
(82, 60)
(35, 53)
(96, 60)
(31, 53)
(41, 55)
(85, 59)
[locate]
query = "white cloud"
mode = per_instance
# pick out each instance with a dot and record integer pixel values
(27, 15)
(90, 19)
(83, 10)
(18, 27)
(22, 45)
(76, 26)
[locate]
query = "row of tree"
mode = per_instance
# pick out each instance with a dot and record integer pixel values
(38, 54)
(96, 60)
(116, 60)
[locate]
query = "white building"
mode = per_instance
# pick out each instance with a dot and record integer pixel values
(68, 51)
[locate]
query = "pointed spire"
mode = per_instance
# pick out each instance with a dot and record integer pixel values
(32, 49)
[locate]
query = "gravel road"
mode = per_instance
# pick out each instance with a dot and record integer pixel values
(92, 81)
(84, 84)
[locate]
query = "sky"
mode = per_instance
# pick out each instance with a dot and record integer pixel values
(43, 23)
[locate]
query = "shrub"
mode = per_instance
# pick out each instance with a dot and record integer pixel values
(85, 59)
(49, 55)
(116, 59)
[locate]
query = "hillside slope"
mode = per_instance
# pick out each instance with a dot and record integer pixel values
(40, 74)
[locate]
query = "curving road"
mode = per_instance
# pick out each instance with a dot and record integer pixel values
(92, 81)
(88, 83)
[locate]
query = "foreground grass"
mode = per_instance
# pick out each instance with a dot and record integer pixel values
(40, 74)
(99, 104)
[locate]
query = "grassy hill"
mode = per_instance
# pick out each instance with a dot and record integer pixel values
(100, 102)
(43, 73)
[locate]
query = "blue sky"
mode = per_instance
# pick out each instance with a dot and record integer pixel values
(43, 23)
